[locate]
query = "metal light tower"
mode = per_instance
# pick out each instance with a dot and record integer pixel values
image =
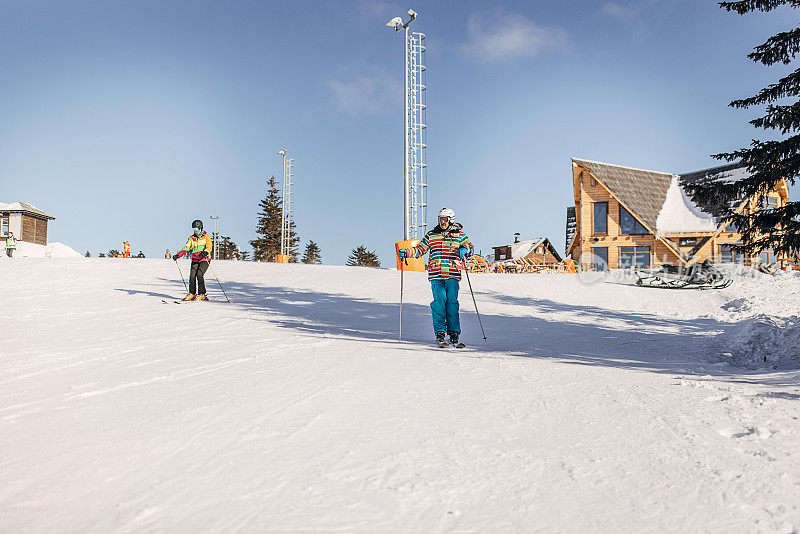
(216, 235)
(286, 212)
(415, 175)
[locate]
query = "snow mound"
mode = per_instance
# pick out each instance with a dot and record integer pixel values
(767, 342)
(51, 250)
(60, 250)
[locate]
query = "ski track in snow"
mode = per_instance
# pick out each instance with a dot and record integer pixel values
(591, 408)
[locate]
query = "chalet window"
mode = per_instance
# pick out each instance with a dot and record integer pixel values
(687, 242)
(593, 181)
(628, 224)
(768, 256)
(4, 227)
(729, 255)
(769, 202)
(634, 257)
(732, 227)
(600, 258)
(601, 217)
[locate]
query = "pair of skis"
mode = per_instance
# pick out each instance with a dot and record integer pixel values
(445, 344)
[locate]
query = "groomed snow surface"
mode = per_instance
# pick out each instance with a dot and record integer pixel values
(598, 407)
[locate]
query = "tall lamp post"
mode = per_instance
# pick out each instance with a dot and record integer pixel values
(216, 235)
(415, 183)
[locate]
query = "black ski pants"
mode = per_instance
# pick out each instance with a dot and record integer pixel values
(197, 285)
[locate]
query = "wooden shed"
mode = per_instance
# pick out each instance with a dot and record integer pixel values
(627, 217)
(26, 222)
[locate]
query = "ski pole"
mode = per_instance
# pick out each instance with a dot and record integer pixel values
(220, 285)
(466, 271)
(400, 335)
(182, 278)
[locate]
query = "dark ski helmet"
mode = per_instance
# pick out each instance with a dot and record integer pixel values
(197, 224)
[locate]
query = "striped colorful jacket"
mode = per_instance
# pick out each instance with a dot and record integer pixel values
(444, 260)
(196, 245)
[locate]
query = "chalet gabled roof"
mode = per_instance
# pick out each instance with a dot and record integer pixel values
(643, 192)
(24, 208)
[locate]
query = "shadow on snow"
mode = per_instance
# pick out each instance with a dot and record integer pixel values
(600, 337)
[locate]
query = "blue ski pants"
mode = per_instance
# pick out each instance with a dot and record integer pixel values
(444, 307)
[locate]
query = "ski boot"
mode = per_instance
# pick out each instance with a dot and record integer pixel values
(440, 340)
(202, 297)
(454, 340)
(190, 296)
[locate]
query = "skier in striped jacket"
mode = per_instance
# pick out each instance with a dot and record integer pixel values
(448, 247)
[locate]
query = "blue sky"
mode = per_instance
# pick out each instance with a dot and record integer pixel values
(127, 120)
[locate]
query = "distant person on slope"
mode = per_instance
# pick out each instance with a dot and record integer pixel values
(199, 244)
(449, 246)
(11, 244)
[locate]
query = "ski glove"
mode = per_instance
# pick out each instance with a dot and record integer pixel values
(463, 253)
(176, 256)
(403, 253)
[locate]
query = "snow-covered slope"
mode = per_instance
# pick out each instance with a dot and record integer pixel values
(591, 408)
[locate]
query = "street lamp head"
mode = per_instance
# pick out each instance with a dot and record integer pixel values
(412, 14)
(395, 23)
(282, 152)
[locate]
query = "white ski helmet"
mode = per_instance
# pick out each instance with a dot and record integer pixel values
(447, 212)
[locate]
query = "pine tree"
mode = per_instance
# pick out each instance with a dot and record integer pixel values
(312, 253)
(226, 248)
(361, 257)
(243, 255)
(268, 228)
(294, 243)
(113, 253)
(767, 162)
(88, 255)
(269, 225)
(101, 255)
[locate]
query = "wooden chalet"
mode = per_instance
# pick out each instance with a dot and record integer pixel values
(539, 249)
(625, 217)
(26, 222)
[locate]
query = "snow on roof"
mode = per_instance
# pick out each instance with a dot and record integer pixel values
(680, 214)
(523, 248)
(22, 206)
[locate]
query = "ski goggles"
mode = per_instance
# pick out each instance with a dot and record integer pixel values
(444, 220)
